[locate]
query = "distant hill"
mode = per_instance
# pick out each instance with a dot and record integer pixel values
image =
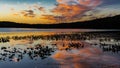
(103, 23)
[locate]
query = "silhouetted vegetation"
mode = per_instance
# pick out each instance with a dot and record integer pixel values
(17, 54)
(72, 36)
(69, 42)
(104, 23)
(115, 48)
(37, 51)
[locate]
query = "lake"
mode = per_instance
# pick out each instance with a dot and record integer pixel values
(59, 48)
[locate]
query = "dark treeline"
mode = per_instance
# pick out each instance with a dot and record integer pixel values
(103, 36)
(103, 23)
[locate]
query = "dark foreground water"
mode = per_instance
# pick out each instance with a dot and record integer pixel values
(59, 48)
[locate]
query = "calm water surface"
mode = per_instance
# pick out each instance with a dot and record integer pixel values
(59, 48)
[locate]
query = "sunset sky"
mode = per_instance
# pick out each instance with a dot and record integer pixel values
(56, 11)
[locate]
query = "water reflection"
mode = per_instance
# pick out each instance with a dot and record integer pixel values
(16, 54)
(61, 50)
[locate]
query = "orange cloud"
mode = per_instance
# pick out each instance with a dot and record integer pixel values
(65, 11)
(69, 10)
(74, 8)
(51, 17)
